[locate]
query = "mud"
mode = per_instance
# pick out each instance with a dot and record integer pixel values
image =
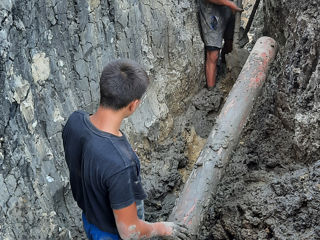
(270, 189)
(176, 155)
(267, 192)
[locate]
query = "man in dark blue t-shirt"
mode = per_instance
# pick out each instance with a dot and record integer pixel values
(104, 169)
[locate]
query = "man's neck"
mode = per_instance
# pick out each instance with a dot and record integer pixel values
(107, 120)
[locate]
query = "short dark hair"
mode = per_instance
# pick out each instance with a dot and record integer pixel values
(121, 82)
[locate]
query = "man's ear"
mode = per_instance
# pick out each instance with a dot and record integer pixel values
(134, 105)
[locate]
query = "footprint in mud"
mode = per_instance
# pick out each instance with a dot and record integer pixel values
(206, 105)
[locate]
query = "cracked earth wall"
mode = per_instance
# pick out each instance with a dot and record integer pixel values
(51, 56)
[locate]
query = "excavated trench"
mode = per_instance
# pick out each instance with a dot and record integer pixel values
(270, 189)
(271, 186)
(176, 154)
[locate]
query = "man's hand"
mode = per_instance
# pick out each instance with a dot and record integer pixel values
(234, 7)
(177, 231)
(228, 3)
(131, 227)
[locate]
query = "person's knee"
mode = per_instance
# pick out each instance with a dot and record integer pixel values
(212, 56)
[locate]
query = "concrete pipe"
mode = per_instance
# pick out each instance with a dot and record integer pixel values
(207, 172)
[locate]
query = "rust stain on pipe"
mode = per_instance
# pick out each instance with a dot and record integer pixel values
(224, 137)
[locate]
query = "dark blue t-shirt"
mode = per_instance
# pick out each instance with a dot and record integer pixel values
(104, 171)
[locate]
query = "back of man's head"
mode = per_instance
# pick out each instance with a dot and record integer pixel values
(122, 82)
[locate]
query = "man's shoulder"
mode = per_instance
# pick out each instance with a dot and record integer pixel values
(76, 115)
(75, 118)
(74, 124)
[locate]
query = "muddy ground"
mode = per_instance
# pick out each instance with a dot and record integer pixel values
(176, 155)
(167, 163)
(267, 192)
(271, 187)
(270, 190)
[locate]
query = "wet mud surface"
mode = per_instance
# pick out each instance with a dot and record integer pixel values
(267, 192)
(171, 161)
(167, 163)
(271, 187)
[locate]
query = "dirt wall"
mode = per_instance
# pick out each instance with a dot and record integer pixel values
(51, 56)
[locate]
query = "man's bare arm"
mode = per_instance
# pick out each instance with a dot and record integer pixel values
(227, 3)
(131, 227)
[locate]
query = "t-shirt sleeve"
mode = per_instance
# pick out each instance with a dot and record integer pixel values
(121, 192)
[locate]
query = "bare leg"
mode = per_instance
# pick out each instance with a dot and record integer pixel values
(211, 67)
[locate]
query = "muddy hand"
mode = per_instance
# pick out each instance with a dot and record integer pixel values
(178, 231)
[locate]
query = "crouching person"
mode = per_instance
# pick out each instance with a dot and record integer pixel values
(104, 169)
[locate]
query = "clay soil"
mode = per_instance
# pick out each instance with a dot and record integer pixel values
(266, 192)
(269, 190)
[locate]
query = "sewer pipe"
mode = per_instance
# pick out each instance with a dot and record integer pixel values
(224, 137)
